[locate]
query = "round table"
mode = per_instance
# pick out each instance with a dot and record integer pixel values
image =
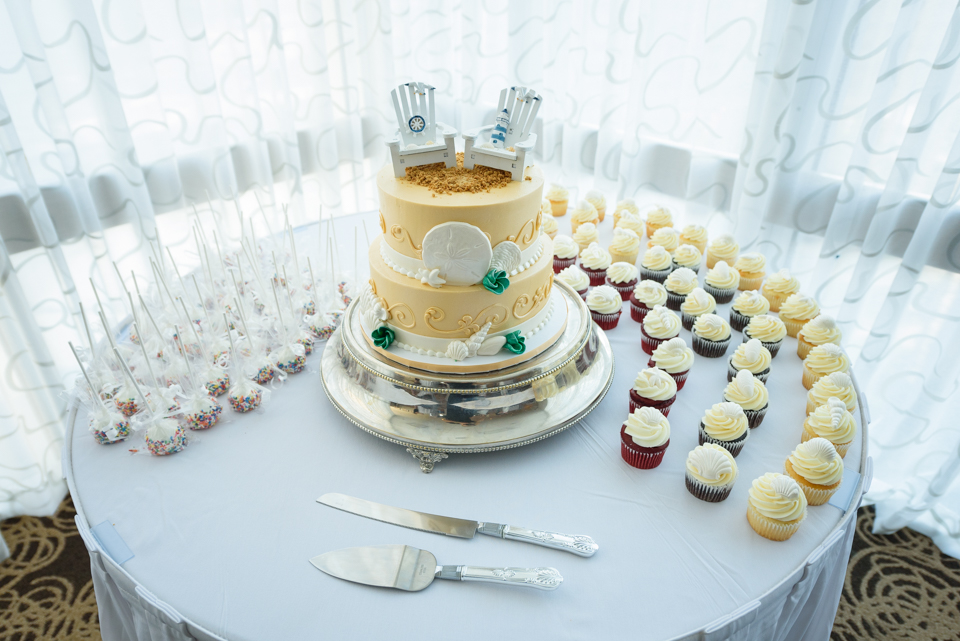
(222, 532)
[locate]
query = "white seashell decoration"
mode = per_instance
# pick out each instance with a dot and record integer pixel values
(458, 351)
(745, 382)
(491, 346)
(506, 257)
(786, 487)
(474, 342)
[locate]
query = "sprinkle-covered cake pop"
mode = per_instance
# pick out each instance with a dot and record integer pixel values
(245, 396)
(126, 400)
(216, 381)
(109, 427)
(165, 436)
(202, 413)
(291, 359)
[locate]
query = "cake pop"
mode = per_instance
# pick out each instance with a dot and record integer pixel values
(106, 425)
(244, 395)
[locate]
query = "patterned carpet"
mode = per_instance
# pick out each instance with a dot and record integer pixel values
(898, 587)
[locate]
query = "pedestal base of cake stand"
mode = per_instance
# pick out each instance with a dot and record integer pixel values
(434, 415)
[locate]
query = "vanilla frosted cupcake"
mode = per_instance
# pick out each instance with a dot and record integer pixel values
(722, 282)
(779, 287)
(658, 217)
(666, 237)
(710, 472)
(656, 264)
(565, 252)
(695, 235)
(625, 246)
(627, 204)
(768, 329)
(623, 278)
(646, 295)
(723, 248)
(776, 506)
(820, 331)
(595, 260)
(817, 468)
(577, 279)
(558, 197)
(752, 267)
(631, 221)
(753, 357)
(674, 358)
(832, 421)
(797, 311)
(653, 388)
(605, 305)
(711, 336)
(687, 256)
(836, 385)
(749, 393)
(697, 303)
(584, 212)
(644, 438)
(659, 325)
(679, 283)
(595, 198)
(822, 360)
(585, 235)
(548, 224)
(725, 425)
(746, 306)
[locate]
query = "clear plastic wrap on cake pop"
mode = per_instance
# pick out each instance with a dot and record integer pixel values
(216, 380)
(246, 396)
(201, 412)
(290, 358)
(164, 435)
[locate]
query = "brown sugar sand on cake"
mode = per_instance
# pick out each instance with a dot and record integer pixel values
(454, 180)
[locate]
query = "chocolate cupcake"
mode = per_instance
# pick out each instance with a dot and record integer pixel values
(750, 394)
(679, 283)
(768, 329)
(725, 425)
(746, 306)
(711, 472)
(711, 336)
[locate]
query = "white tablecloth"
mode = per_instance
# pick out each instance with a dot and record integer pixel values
(221, 533)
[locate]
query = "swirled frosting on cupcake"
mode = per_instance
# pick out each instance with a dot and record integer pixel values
(655, 384)
(698, 302)
(782, 283)
(648, 427)
(751, 356)
(839, 385)
(629, 204)
(565, 247)
(660, 322)
(673, 356)
(712, 465)
(826, 359)
(694, 234)
(557, 193)
(586, 233)
(549, 224)
(575, 277)
(584, 212)
(833, 421)
(817, 461)
(711, 327)
(666, 237)
(597, 199)
(650, 293)
(656, 258)
(768, 329)
(725, 421)
(778, 497)
(799, 307)
(750, 263)
(722, 277)
(625, 241)
(620, 273)
(631, 221)
(681, 281)
(751, 303)
(604, 300)
(724, 248)
(746, 391)
(822, 329)
(595, 257)
(659, 216)
(687, 256)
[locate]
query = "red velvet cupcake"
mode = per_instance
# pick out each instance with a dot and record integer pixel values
(646, 295)
(595, 260)
(644, 438)
(605, 306)
(653, 388)
(659, 325)
(564, 253)
(623, 278)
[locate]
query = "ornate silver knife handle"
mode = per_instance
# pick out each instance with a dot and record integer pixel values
(579, 544)
(538, 578)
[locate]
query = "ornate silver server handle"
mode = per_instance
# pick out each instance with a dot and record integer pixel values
(579, 544)
(539, 578)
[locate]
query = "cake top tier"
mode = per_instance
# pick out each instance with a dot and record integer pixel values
(435, 185)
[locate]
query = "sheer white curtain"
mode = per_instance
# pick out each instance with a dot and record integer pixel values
(823, 133)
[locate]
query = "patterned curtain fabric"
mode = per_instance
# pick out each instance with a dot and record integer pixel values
(825, 134)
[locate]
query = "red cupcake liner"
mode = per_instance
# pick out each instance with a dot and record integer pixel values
(643, 458)
(560, 264)
(649, 343)
(625, 289)
(637, 309)
(597, 276)
(680, 378)
(637, 401)
(605, 321)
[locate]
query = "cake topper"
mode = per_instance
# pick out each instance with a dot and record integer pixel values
(510, 136)
(415, 142)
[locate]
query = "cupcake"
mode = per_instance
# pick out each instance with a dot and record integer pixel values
(658, 217)
(679, 283)
(817, 468)
(746, 306)
(565, 253)
(722, 282)
(768, 329)
(778, 287)
(711, 473)
(822, 360)
(666, 237)
(628, 205)
(752, 268)
(631, 221)
(653, 388)
(605, 304)
(838, 385)
(548, 224)
(697, 303)
(725, 425)
(595, 198)
(625, 246)
(646, 295)
(656, 264)
(723, 248)
(750, 394)
(595, 260)
(687, 256)
(623, 278)
(776, 506)
(584, 212)
(659, 325)
(751, 356)
(644, 438)
(832, 421)
(558, 197)
(585, 235)
(674, 358)
(577, 279)
(820, 331)
(711, 336)
(165, 436)
(797, 311)
(695, 235)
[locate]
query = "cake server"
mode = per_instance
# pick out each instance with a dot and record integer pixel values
(407, 568)
(576, 543)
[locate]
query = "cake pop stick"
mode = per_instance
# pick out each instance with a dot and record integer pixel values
(291, 356)
(304, 337)
(136, 386)
(146, 359)
(86, 329)
(244, 395)
(93, 390)
(215, 380)
(109, 426)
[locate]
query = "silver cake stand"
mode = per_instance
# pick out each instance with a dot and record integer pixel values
(434, 415)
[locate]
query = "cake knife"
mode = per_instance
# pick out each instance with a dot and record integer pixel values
(579, 544)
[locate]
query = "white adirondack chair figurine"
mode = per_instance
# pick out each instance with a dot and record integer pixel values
(415, 142)
(510, 137)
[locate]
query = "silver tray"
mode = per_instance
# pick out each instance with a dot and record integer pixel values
(435, 415)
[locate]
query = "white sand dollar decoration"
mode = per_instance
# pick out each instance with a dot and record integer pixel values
(460, 251)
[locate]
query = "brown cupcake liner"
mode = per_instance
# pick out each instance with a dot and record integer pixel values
(652, 274)
(732, 372)
(708, 493)
(722, 296)
(738, 321)
(674, 301)
(695, 268)
(708, 348)
(734, 447)
(772, 347)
